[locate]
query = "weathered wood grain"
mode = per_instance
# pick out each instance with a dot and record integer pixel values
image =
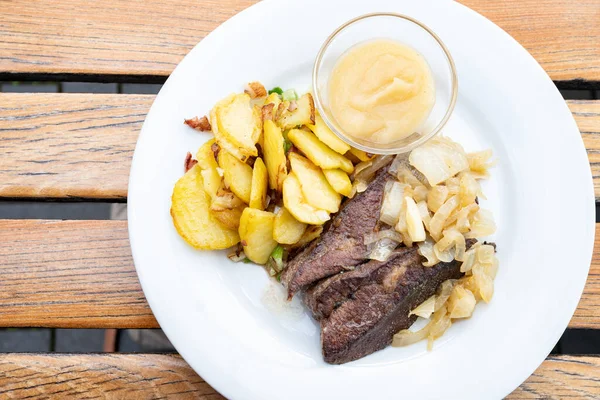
(562, 377)
(79, 274)
(141, 376)
(137, 38)
(88, 141)
(587, 115)
(69, 274)
(100, 376)
(68, 145)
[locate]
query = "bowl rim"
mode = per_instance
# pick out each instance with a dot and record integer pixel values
(391, 150)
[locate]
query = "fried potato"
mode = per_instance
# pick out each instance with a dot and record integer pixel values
(294, 201)
(237, 125)
(237, 175)
(226, 200)
(339, 181)
(274, 155)
(287, 229)
(317, 152)
(310, 234)
(315, 188)
(361, 155)
(255, 90)
(274, 99)
(302, 114)
(325, 135)
(258, 191)
(191, 216)
(256, 233)
(208, 164)
(228, 218)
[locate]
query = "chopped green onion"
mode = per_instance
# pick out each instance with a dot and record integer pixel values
(247, 260)
(289, 95)
(277, 256)
(277, 90)
(287, 145)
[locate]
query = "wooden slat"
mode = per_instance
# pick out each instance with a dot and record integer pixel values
(100, 376)
(88, 141)
(135, 38)
(69, 274)
(79, 274)
(587, 115)
(143, 376)
(68, 145)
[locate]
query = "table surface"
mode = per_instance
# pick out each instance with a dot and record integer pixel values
(79, 274)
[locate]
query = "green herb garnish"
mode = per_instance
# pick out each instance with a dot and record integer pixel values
(277, 90)
(289, 95)
(247, 260)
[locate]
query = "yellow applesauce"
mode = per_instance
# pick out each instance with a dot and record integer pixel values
(381, 91)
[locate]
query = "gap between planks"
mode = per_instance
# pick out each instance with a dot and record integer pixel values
(79, 146)
(80, 274)
(158, 375)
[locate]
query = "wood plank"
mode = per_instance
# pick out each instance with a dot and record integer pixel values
(587, 115)
(562, 377)
(79, 274)
(69, 274)
(131, 38)
(101, 376)
(156, 375)
(89, 139)
(68, 145)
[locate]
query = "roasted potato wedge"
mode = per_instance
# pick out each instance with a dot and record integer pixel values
(237, 175)
(229, 218)
(361, 155)
(191, 216)
(339, 181)
(274, 155)
(315, 188)
(237, 125)
(294, 201)
(302, 114)
(256, 234)
(260, 183)
(208, 164)
(287, 229)
(325, 135)
(317, 152)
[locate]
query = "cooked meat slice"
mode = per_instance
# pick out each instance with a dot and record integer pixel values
(341, 245)
(330, 293)
(368, 320)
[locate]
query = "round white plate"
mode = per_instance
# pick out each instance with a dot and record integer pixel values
(217, 313)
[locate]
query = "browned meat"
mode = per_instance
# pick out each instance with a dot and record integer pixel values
(360, 313)
(341, 245)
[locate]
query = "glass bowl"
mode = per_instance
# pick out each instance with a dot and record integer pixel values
(405, 30)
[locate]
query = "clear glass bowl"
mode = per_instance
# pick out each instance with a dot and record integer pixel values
(403, 29)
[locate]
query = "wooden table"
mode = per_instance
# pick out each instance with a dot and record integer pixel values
(78, 147)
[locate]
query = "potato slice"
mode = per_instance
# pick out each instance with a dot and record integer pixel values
(237, 175)
(294, 201)
(287, 229)
(237, 125)
(225, 200)
(315, 188)
(274, 155)
(311, 233)
(339, 181)
(208, 164)
(317, 152)
(274, 99)
(256, 233)
(229, 218)
(303, 114)
(258, 192)
(361, 155)
(191, 216)
(325, 135)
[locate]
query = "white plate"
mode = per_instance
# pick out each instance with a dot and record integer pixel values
(541, 194)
